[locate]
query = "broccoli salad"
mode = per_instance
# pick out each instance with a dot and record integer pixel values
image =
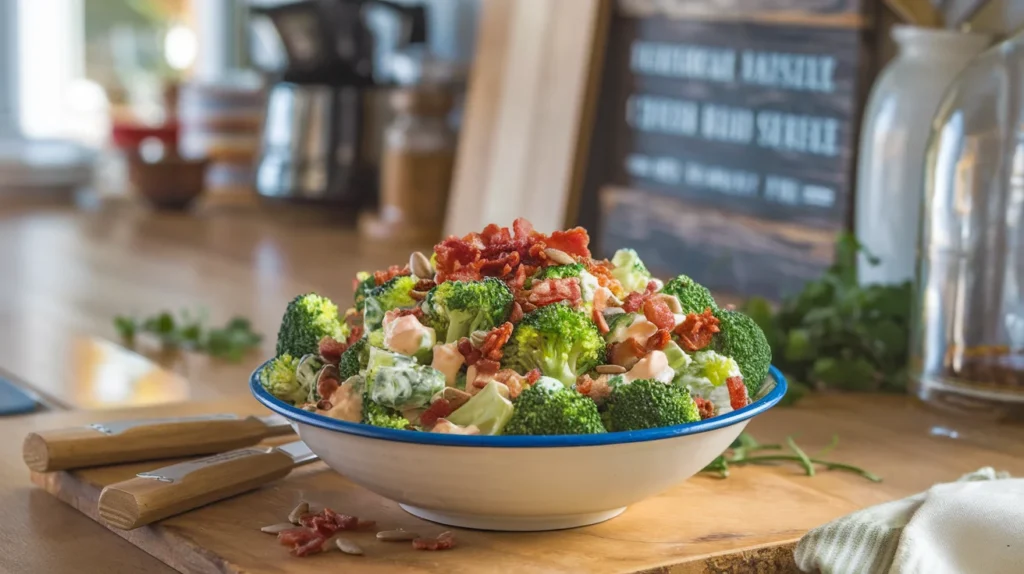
(516, 332)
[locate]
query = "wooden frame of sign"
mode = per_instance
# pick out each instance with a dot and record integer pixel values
(726, 137)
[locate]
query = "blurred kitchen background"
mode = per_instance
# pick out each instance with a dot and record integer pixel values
(848, 171)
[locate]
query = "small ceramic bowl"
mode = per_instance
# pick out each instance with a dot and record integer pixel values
(524, 483)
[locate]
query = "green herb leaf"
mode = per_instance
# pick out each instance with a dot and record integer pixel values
(230, 342)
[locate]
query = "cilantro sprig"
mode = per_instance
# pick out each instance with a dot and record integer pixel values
(188, 331)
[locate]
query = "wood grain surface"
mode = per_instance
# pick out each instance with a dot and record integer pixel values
(66, 274)
(745, 523)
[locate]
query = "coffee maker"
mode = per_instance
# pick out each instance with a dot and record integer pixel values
(325, 109)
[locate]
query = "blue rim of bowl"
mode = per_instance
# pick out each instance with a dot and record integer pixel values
(547, 441)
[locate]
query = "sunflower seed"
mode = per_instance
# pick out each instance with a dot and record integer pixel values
(610, 369)
(279, 527)
(297, 512)
(477, 338)
(672, 302)
(348, 547)
(396, 535)
(420, 265)
(558, 256)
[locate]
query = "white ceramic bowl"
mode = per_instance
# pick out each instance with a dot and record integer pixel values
(525, 483)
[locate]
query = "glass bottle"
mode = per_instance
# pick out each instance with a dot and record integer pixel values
(890, 165)
(968, 335)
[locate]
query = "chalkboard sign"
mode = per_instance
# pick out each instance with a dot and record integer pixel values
(724, 139)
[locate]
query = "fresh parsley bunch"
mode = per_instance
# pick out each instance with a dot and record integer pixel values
(837, 334)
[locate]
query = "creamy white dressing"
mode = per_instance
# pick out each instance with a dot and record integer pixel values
(448, 360)
(588, 286)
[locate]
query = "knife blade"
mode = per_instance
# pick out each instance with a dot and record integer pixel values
(164, 492)
(134, 440)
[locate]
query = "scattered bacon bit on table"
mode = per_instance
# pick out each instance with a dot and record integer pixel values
(738, 397)
(444, 541)
(705, 407)
(549, 291)
(438, 409)
(382, 277)
(697, 330)
(330, 349)
(316, 529)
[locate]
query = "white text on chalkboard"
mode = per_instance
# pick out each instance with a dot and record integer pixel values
(784, 71)
(780, 131)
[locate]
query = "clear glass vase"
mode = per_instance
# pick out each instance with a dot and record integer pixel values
(968, 339)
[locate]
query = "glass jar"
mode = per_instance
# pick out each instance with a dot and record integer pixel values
(968, 336)
(416, 167)
(890, 165)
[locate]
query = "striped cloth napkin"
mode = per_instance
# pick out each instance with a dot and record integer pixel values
(975, 524)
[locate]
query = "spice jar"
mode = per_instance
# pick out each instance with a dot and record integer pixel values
(416, 167)
(968, 335)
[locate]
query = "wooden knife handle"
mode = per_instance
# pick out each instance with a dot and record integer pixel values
(181, 487)
(79, 447)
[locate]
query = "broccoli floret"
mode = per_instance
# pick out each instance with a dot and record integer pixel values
(630, 270)
(563, 343)
(403, 386)
(547, 408)
(364, 283)
(741, 338)
(560, 271)
(354, 359)
(488, 410)
(308, 319)
(693, 297)
(457, 308)
(647, 403)
(279, 379)
(375, 339)
(394, 294)
(381, 416)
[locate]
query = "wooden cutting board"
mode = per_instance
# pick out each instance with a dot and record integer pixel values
(745, 523)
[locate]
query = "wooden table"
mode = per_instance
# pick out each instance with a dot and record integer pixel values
(887, 435)
(66, 274)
